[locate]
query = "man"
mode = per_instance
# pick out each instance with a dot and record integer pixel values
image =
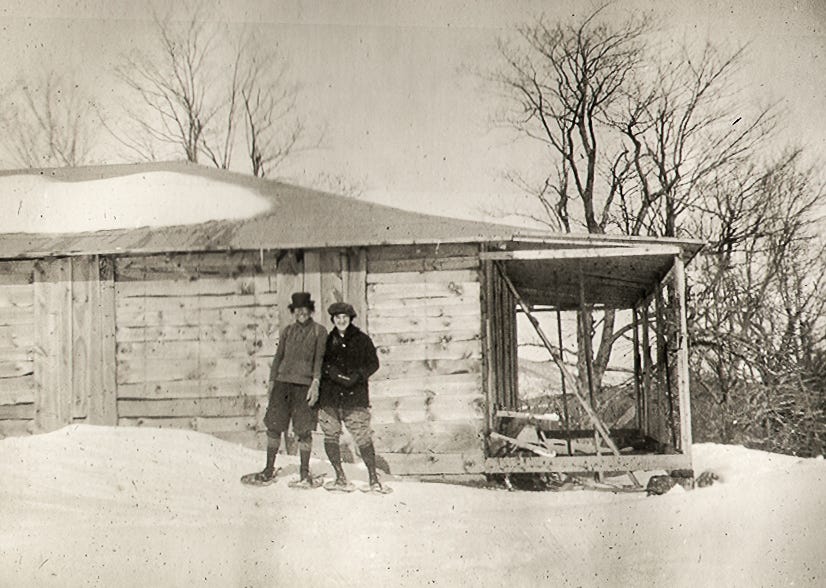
(349, 360)
(293, 390)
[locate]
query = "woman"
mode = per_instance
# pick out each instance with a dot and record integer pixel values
(349, 360)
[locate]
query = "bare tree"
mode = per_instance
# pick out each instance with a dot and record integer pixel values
(200, 86)
(627, 142)
(48, 121)
(758, 310)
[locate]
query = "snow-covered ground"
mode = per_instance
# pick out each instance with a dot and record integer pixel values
(99, 506)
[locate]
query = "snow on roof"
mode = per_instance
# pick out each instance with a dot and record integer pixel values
(178, 206)
(42, 204)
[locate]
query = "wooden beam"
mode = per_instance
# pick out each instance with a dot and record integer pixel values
(583, 253)
(588, 463)
(355, 284)
(412, 464)
(682, 358)
(103, 399)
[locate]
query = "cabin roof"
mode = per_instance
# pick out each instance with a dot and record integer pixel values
(268, 214)
(291, 217)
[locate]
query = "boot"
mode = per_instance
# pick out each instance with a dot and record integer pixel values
(368, 454)
(273, 444)
(304, 468)
(333, 451)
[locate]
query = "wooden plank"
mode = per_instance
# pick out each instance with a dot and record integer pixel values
(466, 383)
(588, 463)
(189, 265)
(426, 337)
(444, 324)
(426, 407)
(391, 370)
(84, 337)
(16, 427)
(212, 388)
(421, 351)
(17, 336)
(17, 390)
(180, 407)
(288, 280)
(422, 277)
(17, 296)
(332, 282)
(16, 272)
(429, 437)
(261, 333)
(16, 316)
(312, 275)
(53, 324)
(13, 369)
(378, 292)
(17, 411)
(422, 264)
(138, 369)
(103, 401)
(355, 284)
(201, 286)
(583, 253)
(202, 424)
(406, 252)
(241, 349)
(647, 369)
(436, 307)
(205, 302)
(434, 463)
(682, 357)
(197, 316)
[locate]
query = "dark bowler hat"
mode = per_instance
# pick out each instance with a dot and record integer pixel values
(342, 308)
(302, 300)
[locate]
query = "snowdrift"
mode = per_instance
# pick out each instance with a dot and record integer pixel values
(99, 506)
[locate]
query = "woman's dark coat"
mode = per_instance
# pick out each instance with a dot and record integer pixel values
(349, 360)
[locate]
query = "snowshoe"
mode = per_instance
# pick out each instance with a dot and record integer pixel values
(339, 486)
(308, 483)
(376, 488)
(262, 478)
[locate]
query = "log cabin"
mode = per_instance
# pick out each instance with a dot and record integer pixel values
(160, 303)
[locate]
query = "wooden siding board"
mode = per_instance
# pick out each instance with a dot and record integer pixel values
(355, 284)
(53, 324)
(429, 437)
(187, 407)
(210, 388)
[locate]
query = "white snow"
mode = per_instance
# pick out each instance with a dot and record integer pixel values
(100, 506)
(39, 204)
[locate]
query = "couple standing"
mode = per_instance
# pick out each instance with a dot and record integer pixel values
(320, 377)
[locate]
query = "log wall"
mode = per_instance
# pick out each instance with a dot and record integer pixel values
(424, 316)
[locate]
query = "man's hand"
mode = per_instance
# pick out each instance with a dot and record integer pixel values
(312, 393)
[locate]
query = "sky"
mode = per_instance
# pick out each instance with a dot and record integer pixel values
(406, 119)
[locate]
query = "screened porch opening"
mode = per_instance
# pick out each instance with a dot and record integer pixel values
(552, 395)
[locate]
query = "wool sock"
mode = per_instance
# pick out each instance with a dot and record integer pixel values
(333, 450)
(368, 454)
